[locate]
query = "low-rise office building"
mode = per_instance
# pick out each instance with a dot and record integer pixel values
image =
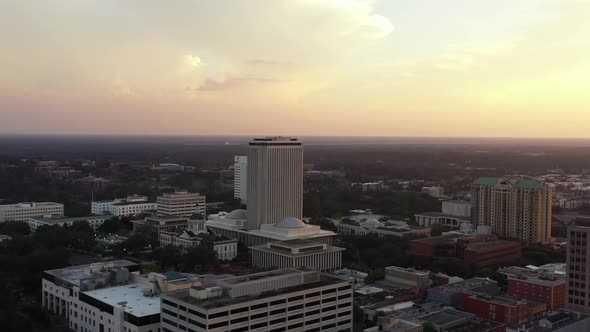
(537, 285)
(122, 207)
(453, 215)
(385, 228)
(24, 211)
(182, 203)
(480, 250)
(279, 300)
(225, 248)
(555, 321)
(93, 221)
(452, 294)
(297, 253)
(506, 310)
(415, 280)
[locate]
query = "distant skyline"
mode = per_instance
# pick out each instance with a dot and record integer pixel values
(462, 68)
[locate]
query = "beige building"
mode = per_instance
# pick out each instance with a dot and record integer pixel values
(275, 180)
(408, 278)
(279, 300)
(297, 253)
(181, 203)
(24, 211)
(241, 178)
(513, 208)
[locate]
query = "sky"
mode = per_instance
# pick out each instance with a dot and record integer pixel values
(456, 68)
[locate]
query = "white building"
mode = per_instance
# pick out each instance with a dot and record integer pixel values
(453, 215)
(160, 224)
(233, 225)
(279, 300)
(225, 248)
(436, 192)
(110, 296)
(385, 228)
(93, 221)
(130, 206)
(182, 203)
(297, 253)
(241, 178)
(275, 180)
(24, 211)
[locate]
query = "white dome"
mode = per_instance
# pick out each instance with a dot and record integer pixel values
(372, 223)
(237, 214)
(290, 222)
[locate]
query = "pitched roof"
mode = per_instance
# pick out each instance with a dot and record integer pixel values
(519, 184)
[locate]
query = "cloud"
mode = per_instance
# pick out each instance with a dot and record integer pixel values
(235, 82)
(120, 88)
(193, 61)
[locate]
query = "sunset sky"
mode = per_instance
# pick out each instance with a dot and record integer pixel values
(509, 68)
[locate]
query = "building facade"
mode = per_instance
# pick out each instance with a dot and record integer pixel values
(123, 207)
(181, 203)
(93, 221)
(513, 208)
(241, 178)
(275, 180)
(297, 253)
(24, 211)
(536, 285)
(415, 280)
(225, 248)
(578, 267)
(501, 309)
(279, 300)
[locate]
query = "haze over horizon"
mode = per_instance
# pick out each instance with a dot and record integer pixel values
(304, 67)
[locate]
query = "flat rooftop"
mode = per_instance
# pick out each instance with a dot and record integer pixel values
(492, 244)
(29, 205)
(557, 320)
(64, 219)
(130, 298)
(224, 300)
(73, 274)
(465, 285)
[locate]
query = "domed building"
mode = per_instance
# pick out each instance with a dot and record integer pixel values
(233, 225)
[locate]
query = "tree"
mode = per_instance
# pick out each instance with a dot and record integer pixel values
(198, 258)
(167, 257)
(14, 228)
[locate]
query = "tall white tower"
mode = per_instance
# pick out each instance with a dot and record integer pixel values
(275, 180)
(241, 178)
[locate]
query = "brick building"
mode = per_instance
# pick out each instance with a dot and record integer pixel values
(537, 285)
(505, 310)
(479, 250)
(493, 253)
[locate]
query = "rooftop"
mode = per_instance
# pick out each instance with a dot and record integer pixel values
(28, 205)
(63, 219)
(129, 297)
(225, 300)
(552, 321)
(465, 285)
(515, 183)
(537, 276)
(73, 274)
